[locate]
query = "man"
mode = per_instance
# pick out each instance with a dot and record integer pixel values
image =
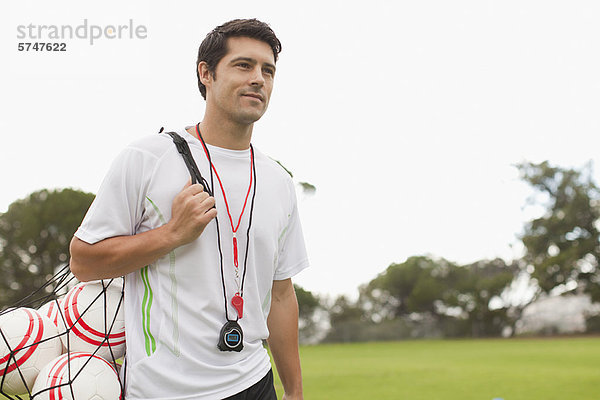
(207, 277)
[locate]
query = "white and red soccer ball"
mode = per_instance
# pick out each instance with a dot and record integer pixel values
(83, 375)
(93, 312)
(28, 341)
(52, 310)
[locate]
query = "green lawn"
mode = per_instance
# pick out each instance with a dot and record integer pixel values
(511, 369)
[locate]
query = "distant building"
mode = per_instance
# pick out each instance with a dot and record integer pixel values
(557, 315)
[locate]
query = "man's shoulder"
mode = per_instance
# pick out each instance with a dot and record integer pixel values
(274, 166)
(155, 146)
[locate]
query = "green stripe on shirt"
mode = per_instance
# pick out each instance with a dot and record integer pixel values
(173, 277)
(146, 306)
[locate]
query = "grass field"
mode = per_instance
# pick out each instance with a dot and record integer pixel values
(510, 369)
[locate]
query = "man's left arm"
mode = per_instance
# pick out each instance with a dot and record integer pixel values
(283, 338)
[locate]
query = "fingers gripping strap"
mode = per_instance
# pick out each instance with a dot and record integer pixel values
(184, 150)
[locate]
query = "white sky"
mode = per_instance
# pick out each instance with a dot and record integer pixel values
(407, 116)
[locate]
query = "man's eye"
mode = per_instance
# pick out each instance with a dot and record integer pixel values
(269, 71)
(244, 65)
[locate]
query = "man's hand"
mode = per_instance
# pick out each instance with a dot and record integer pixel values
(191, 211)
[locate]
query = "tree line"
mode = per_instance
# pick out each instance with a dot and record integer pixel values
(424, 296)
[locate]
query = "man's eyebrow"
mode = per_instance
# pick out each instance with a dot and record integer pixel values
(252, 61)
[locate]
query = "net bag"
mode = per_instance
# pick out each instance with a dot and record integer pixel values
(66, 340)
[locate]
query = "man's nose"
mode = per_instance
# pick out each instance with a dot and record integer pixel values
(257, 78)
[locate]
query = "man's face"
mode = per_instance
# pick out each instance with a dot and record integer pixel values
(243, 81)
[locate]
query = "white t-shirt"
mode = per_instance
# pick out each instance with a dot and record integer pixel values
(175, 308)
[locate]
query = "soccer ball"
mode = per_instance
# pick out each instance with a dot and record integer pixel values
(90, 378)
(52, 310)
(94, 314)
(33, 340)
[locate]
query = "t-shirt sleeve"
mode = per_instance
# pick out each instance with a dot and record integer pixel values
(292, 249)
(119, 205)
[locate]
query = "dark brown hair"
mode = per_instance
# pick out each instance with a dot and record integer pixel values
(214, 47)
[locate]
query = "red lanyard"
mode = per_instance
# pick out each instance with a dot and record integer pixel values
(237, 301)
(233, 229)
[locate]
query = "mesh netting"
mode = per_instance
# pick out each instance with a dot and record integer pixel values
(64, 340)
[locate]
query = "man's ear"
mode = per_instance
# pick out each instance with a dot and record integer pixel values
(206, 77)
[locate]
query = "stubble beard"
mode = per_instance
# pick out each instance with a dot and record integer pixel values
(247, 117)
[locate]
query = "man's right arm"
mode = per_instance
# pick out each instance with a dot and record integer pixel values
(191, 211)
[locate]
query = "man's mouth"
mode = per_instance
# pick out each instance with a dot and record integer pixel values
(254, 96)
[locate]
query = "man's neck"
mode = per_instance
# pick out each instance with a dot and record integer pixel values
(224, 135)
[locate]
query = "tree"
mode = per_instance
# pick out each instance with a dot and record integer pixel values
(456, 300)
(562, 246)
(309, 306)
(347, 323)
(34, 237)
(410, 287)
(479, 295)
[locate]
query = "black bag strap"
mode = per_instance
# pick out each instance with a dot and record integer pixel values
(184, 149)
